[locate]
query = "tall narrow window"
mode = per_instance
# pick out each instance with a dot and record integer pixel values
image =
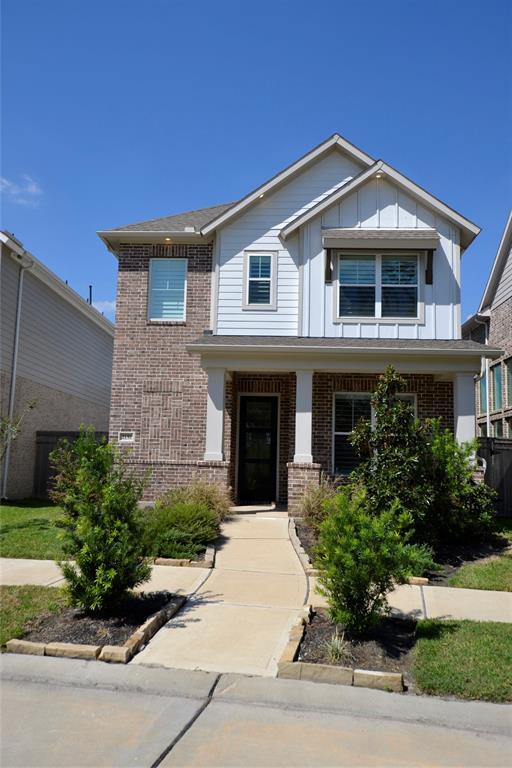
(399, 286)
(167, 289)
(497, 398)
(508, 368)
(348, 409)
(482, 391)
(357, 286)
(259, 279)
(497, 428)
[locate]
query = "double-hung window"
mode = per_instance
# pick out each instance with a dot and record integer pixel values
(167, 290)
(379, 285)
(260, 280)
(348, 409)
(497, 396)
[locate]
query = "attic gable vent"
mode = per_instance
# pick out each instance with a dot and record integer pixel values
(126, 437)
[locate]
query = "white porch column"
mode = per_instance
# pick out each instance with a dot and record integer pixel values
(215, 415)
(464, 406)
(303, 418)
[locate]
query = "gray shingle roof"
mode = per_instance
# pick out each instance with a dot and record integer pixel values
(382, 234)
(269, 342)
(178, 221)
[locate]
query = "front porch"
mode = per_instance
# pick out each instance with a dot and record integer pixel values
(277, 420)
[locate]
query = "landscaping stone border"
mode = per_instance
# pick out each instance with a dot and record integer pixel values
(208, 562)
(118, 654)
(289, 668)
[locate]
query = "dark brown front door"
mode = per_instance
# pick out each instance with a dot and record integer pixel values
(257, 449)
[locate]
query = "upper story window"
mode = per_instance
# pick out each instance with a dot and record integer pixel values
(167, 290)
(497, 397)
(378, 285)
(260, 280)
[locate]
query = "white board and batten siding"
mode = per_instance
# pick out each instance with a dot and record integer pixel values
(381, 205)
(259, 228)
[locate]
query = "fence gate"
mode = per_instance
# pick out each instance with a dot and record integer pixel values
(497, 453)
(45, 444)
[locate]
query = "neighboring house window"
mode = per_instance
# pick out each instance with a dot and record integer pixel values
(482, 391)
(483, 430)
(378, 285)
(509, 425)
(167, 289)
(497, 398)
(508, 368)
(497, 427)
(348, 409)
(260, 280)
(357, 286)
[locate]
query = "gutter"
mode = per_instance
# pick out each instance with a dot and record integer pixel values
(29, 263)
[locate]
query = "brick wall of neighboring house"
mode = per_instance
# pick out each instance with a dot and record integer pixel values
(434, 398)
(158, 388)
(500, 335)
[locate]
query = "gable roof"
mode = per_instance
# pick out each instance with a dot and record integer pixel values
(177, 222)
(469, 230)
(333, 142)
(498, 266)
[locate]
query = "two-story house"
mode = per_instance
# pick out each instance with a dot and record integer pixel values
(250, 335)
(492, 324)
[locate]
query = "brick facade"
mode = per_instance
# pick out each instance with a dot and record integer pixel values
(158, 389)
(500, 335)
(300, 476)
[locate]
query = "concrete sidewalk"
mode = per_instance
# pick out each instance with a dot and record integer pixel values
(63, 712)
(239, 619)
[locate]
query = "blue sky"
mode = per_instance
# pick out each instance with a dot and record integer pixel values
(116, 111)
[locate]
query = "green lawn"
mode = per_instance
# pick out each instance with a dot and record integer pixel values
(468, 659)
(495, 573)
(27, 529)
(22, 604)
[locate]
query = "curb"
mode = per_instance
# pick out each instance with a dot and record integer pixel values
(290, 669)
(182, 562)
(299, 549)
(117, 654)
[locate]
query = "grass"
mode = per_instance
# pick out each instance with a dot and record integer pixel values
(468, 659)
(27, 529)
(20, 605)
(493, 573)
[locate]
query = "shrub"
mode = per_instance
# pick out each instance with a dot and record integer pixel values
(213, 496)
(421, 466)
(100, 528)
(312, 503)
(181, 530)
(362, 556)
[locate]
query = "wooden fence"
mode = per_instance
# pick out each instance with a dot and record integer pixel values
(497, 452)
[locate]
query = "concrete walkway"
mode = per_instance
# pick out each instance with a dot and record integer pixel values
(239, 618)
(64, 712)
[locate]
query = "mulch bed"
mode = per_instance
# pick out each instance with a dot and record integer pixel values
(306, 536)
(451, 558)
(74, 625)
(387, 648)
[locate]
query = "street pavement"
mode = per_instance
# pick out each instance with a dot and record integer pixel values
(65, 712)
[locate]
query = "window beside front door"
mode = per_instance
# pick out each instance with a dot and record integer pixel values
(348, 409)
(380, 285)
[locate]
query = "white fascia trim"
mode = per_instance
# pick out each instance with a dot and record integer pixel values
(497, 267)
(309, 157)
(326, 202)
(211, 351)
(49, 278)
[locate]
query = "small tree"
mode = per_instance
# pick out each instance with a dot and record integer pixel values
(11, 427)
(101, 528)
(362, 556)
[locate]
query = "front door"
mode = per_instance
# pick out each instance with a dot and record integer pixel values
(257, 449)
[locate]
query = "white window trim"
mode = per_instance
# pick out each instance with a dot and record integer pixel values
(159, 319)
(376, 318)
(272, 306)
(126, 437)
(400, 395)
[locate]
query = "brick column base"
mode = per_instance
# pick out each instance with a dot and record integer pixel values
(299, 476)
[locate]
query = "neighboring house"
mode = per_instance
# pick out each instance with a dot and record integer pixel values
(250, 336)
(492, 324)
(56, 350)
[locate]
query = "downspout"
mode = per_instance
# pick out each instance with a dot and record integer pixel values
(12, 388)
